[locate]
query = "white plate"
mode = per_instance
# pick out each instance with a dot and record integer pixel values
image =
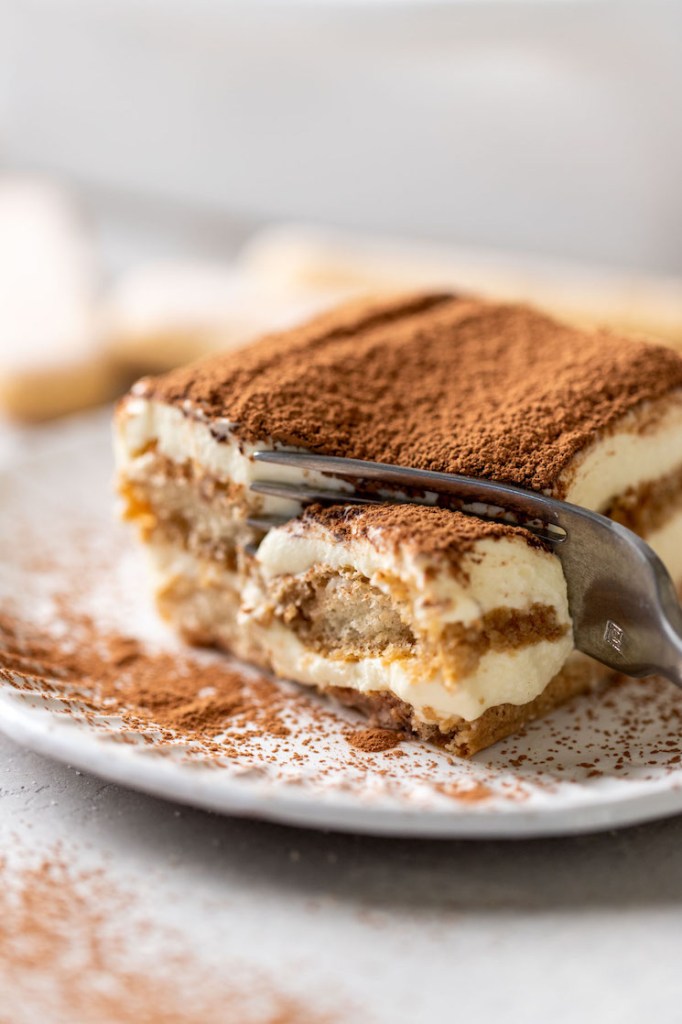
(597, 764)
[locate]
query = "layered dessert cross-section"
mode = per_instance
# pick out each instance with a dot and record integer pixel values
(437, 622)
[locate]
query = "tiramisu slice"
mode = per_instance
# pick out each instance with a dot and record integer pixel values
(429, 619)
(454, 627)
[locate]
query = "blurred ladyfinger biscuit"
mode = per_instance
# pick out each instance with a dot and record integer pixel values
(51, 358)
(313, 257)
(163, 314)
(300, 256)
(640, 305)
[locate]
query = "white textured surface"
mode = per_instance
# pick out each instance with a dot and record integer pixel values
(578, 929)
(410, 929)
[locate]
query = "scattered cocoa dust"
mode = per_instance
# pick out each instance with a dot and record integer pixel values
(473, 794)
(73, 948)
(374, 741)
(160, 692)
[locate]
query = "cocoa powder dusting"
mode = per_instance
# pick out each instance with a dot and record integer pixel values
(167, 692)
(474, 793)
(437, 533)
(374, 741)
(432, 381)
(73, 947)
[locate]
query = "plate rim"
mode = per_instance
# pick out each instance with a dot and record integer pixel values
(47, 733)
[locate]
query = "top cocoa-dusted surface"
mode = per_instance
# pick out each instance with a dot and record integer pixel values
(433, 381)
(437, 533)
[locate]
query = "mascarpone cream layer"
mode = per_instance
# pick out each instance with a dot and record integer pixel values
(628, 457)
(667, 543)
(501, 677)
(625, 458)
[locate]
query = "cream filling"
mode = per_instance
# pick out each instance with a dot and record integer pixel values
(667, 543)
(612, 464)
(501, 677)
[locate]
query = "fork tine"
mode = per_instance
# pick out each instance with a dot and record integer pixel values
(300, 492)
(305, 495)
(504, 496)
(486, 499)
(266, 523)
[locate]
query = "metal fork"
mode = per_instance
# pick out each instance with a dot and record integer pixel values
(622, 600)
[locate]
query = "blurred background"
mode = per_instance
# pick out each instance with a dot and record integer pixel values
(177, 177)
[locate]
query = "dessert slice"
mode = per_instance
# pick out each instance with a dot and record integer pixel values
(428, 619)
(465, 631)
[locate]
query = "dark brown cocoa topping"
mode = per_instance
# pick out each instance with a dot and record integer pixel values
(438, 533)
(433, 381)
